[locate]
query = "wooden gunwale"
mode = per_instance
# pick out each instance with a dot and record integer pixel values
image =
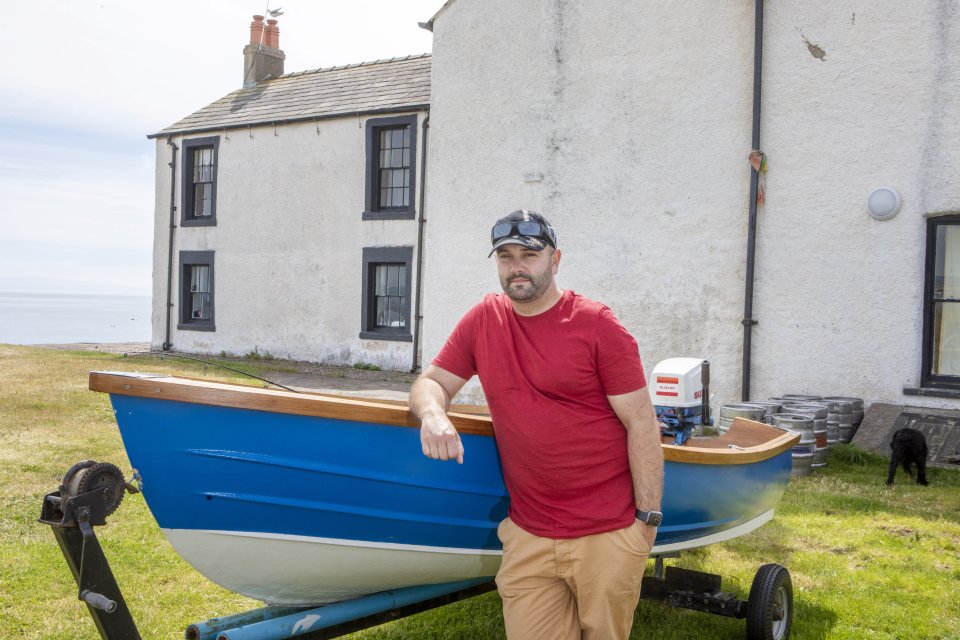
(755, 441)
(469, 409)
(236, 396)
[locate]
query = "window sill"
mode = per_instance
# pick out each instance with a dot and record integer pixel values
(198, 222)
(377, 335)
(404, 214)
(932, 392)
(190, 326)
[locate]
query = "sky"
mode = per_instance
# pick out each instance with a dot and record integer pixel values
(86, 81)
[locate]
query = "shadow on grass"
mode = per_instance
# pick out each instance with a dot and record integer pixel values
(810, 621)
(745, 556)
(655, 621)
(480, 618)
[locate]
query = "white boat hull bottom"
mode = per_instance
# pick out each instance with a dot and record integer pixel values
(303, 570)
(714, 538)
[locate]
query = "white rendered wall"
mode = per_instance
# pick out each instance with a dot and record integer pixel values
(289, 245)
(628, 125)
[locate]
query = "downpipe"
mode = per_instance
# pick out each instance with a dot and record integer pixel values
(748, 320)
(173, 226)
(421, 221)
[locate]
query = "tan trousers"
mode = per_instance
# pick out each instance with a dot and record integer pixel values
(577, 589)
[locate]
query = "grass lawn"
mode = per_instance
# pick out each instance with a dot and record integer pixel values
(867, 561)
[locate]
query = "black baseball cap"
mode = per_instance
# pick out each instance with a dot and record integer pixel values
(523, 227)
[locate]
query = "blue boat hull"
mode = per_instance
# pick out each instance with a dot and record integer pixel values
(218, 468)
(300, 509)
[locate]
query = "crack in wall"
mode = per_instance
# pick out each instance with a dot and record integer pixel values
(935, 150)
(557, 138)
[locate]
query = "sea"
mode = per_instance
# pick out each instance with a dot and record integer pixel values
(62, 318)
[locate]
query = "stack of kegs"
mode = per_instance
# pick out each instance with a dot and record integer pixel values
(739, 410)
(833, 420)
(804, 451)
(851, 415)
(771, 407)
(799, 397)
(819, 414)
(822, 422)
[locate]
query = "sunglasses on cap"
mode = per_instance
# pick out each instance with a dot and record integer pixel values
(530, 228)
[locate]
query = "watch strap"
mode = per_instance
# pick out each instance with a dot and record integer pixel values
(653, 518)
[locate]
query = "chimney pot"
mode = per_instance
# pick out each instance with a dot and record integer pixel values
(256, 30)
(273, 34)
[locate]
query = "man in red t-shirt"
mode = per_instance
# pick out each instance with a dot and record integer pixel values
(577, 436)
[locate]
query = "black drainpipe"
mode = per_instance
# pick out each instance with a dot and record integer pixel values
(420, 224)
(748, 320)
(173, 226)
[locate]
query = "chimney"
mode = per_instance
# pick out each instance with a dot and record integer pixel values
(262, 58)
(256, 30)
(273, 34)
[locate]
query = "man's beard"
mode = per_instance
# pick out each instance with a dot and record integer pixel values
(538, 286)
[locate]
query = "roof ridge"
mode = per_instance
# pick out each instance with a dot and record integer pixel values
(353, 65)
(364, 87)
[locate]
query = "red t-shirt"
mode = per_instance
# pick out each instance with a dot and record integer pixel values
(546, 379)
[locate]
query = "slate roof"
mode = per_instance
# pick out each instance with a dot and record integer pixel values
(383, 86)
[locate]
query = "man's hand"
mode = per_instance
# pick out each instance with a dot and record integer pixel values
(429, 400)
(649, 533)
(439, 439)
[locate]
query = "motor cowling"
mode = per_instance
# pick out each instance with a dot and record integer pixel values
(679, 390)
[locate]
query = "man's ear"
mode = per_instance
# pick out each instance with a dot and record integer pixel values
(556, 260)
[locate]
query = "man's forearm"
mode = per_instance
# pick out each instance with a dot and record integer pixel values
(427, 397)
(643, 446)
(646, 463)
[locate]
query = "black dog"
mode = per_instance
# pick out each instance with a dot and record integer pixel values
(909, 447)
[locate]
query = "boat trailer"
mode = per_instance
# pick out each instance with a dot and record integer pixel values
(768, 610)
(91, 491)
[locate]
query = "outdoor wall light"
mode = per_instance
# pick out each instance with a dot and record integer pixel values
(883, 203)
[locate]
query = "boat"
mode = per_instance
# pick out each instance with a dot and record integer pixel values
(298, 499)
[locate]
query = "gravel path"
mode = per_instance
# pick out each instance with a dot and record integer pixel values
(105, 347)
(309, 376)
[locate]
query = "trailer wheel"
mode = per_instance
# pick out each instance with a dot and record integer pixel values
(770, 607)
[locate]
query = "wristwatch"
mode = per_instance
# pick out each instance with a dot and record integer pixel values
(652, 518)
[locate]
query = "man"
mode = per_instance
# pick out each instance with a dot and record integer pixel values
(577, 437)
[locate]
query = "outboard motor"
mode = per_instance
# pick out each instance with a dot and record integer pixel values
(681, 397)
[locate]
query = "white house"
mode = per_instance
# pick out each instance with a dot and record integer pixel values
(629, 125)
(286, 213)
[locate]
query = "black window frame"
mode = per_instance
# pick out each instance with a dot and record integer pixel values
(372, 210)
(187, 219)
(927, 377)
(188, 260)
(373, 257)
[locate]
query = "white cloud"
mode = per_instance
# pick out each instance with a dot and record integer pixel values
(139, 66)
(60, 189)
(93, 78)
